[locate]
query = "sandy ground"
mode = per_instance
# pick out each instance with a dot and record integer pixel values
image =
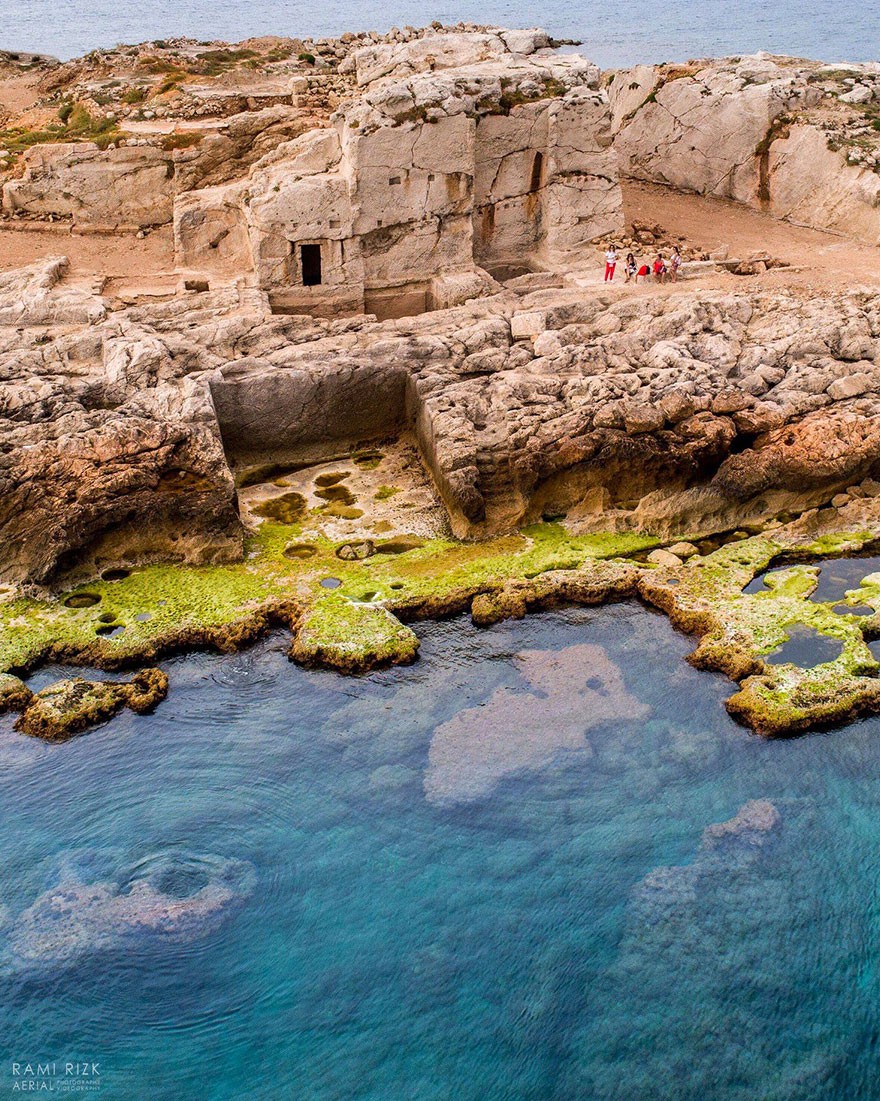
(820, 261)
(824, 260)
(89, 254)
(17, 93)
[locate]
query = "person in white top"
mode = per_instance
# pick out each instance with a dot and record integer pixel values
(610, 263)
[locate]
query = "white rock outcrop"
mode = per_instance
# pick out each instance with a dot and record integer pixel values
(786, 136)
(462, 152)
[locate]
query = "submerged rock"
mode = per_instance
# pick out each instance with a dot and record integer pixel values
(76, 919)
(750, 825)
(726, 848)
(570, 692)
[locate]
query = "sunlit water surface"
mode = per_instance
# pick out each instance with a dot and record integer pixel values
(613, 34)
(483, 877)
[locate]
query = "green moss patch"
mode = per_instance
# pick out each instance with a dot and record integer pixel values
(334, 493)
(224, 606)
(738, 631)
(332, 478)
(352, 637)
(286, 509)
(358, 625)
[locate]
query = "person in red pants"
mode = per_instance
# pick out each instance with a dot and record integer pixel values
(610, 263)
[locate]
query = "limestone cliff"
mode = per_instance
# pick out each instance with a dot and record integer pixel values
(697, 411)
(795, 138)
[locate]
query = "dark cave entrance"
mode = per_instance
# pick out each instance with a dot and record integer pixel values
(310, 265)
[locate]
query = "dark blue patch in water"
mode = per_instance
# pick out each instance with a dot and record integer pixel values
(837, 576)
(853, 609)
(805, 647)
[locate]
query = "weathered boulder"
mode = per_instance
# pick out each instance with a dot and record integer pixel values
(69, 707)
(446, 51)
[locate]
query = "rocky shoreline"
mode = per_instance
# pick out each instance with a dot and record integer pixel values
(380, 381)
(361, 624)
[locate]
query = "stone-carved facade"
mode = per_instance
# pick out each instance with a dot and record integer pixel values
(423, 185)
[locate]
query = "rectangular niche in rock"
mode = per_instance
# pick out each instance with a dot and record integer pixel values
(310, 265)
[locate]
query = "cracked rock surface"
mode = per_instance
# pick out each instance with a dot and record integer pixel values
(792, 137)
(694, 412)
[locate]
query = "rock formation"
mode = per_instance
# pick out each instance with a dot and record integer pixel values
(795, 138)
(699, 411)
(68, 707)
(355, 246)
(447, 154)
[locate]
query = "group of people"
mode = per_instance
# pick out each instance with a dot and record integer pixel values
(660, 270)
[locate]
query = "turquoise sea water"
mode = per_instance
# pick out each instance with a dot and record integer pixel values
(613, 34)
(487, 877)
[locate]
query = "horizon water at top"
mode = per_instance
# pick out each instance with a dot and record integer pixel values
(617, 34)
(492, 876)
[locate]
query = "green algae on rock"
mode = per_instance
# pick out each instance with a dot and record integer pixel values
(286, 509)
(360, 623)
(69, 707)
(227, 606)
(352, 638)
(739, 630)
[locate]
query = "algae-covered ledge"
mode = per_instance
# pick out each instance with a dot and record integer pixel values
(351, 613)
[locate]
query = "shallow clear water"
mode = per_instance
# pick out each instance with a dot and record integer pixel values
(837, 577)
(482, 877)
(613, 34)
(805, 647)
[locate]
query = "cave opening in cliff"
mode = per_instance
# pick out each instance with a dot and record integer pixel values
(310, 265)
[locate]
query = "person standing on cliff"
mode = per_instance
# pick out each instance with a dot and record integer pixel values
(610, 263)
(674, 264)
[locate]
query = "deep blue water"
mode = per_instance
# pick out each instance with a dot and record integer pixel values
(484, 877)
(613, 34)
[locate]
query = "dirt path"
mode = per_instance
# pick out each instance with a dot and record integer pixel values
(703, 224)
(820, 261)
(18, 93)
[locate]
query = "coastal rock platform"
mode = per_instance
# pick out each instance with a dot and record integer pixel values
(290, 435)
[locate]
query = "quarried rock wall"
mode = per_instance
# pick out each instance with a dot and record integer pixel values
(794, 138)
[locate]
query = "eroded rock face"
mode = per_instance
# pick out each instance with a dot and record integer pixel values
(791, 137)
(106, 439)
(105, 189)
(456, 153)
(697, 411)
